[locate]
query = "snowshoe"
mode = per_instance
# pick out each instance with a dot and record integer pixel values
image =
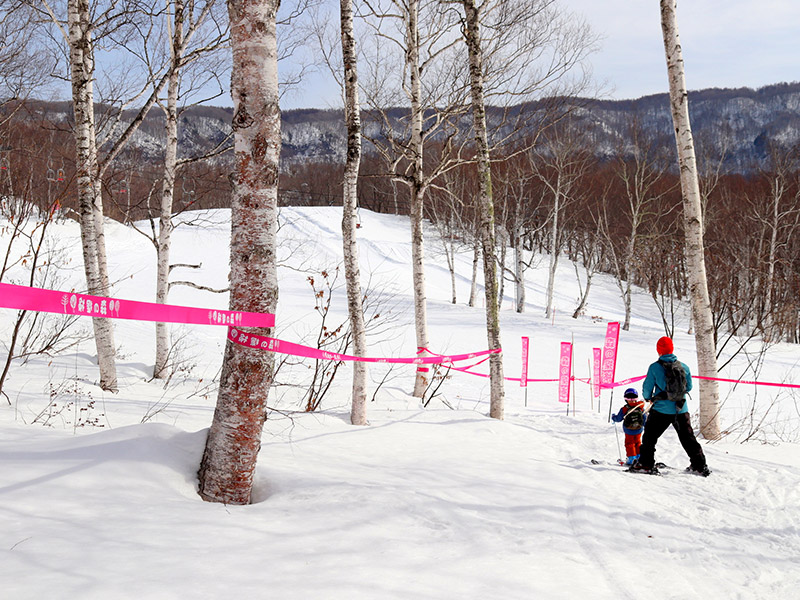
(638, 468)
(704, 472)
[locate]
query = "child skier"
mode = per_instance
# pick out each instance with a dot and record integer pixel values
(633, 418)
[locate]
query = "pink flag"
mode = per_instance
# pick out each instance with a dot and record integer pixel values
(596, 372)
(609, 365)
(523, 380)
(564, 371)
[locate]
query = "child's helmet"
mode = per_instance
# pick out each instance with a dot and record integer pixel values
(631, 394)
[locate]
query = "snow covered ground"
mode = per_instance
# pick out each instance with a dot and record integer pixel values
(98, 491)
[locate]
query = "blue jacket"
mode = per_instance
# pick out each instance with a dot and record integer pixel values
(655, 382)
(620, 416)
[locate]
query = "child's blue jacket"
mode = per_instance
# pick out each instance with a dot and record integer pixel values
(621, 416)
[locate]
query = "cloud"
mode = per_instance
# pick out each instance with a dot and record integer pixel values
(726, 43)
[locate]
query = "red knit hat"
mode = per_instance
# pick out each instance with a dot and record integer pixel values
(664, 346)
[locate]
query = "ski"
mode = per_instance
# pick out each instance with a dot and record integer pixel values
(615, 463)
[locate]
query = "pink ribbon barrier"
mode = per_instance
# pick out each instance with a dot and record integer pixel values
(69, 303)
(614, 384)
(252, 340)
(773, 384)
(641, 377)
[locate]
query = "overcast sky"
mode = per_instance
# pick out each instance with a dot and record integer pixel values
(726, 43)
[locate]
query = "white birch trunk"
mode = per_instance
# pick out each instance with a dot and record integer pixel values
(519, 270)
(234, 439)
(630, 249)
(355, 305)
(551, 273)
(693, 224)
(421, 380)
(502, 248)
(777, 191)
(472, 35)
(165, 226)
(476, 257)
(420, 298)
(89, 197)
(450, 253)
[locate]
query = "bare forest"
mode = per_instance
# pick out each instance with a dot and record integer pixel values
(491, 138)
(622, 215)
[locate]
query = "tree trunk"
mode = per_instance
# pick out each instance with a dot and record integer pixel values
(693, 224)
(89, 196)
(420, 298)
(355, 305)
(417, 196)
(229, 461)
(502, 246)
(585, 295)
(476, 257)
(487, 234)
(519, 263)
(165, 226)
(450, 253)
(777, 190)
(554, 233)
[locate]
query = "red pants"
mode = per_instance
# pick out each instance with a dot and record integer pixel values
(632, 444)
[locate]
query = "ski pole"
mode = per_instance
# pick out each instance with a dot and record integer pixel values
(619, 450)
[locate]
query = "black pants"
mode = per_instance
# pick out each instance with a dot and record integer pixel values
(657, 423)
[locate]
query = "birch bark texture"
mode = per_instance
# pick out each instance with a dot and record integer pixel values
(234, 439)
(421, 32)
(418, 188)
(472, 37)
(355, 305)
(184, 21)
(693, 223)
(165, 226)
(81, 54)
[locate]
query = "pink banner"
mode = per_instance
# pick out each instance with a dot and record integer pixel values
(68, 303)
(609, 365)
(596, 372)
(252, 340)
(523, 379)
(564, 371)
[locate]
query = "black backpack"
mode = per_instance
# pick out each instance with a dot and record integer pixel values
(676, 382)
(634, 418)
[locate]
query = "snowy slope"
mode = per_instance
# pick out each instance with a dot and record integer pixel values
(431, 503)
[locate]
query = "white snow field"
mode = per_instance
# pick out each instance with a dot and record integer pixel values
(98, 491)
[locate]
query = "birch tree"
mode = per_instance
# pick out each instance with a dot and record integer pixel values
(561, 163)
(184, 21)
(420, 35)
(778, 216)
(79, 32)
(530, 50)
(472, 38)
(352, 109)
(693, 224)
(23, 69)
(234, 439)
(90, 202)
(641, 170)
(520, 204)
